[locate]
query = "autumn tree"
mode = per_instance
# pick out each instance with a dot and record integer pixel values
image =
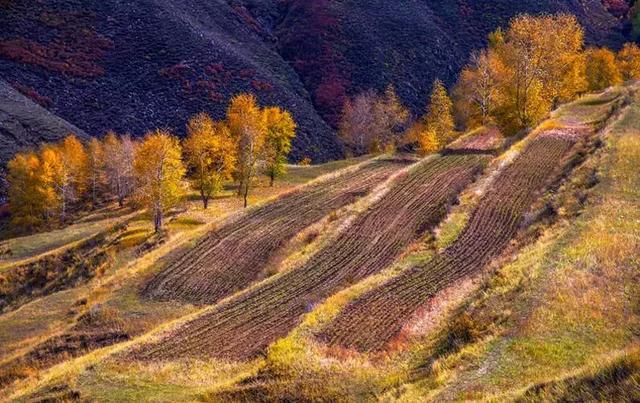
(210, 154)
(95, 169)
(66, 164)
(118, 165)
(390, 118)
(358, 118)
(540, 64)
(281, 129)
(30, 192)
(629, 61)
(158, 172)
(476, 92)
(248, 129)
(602, 69)
(439, 117)
(372, 123)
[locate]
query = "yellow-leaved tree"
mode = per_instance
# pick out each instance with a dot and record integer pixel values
(439, 117)
(281, 129)
(248, 129)
(158, 172)
(602, 69)
(30, 193)
(66, 164)
(210, 153)
(428, 141)
(540, 64)
(629, 61)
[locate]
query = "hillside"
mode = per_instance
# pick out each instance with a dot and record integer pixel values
(24, 124)
(134, 66)
(394, 277)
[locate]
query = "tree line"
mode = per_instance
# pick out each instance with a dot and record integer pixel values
(524, 73)
(47, 183)
(537, 63)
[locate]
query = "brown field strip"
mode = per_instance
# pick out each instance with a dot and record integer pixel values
(244, 325)
(235, 255)
(374, 319)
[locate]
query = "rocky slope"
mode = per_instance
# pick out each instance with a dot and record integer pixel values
(135, 65)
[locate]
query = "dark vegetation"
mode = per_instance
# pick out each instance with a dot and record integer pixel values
(136, 66)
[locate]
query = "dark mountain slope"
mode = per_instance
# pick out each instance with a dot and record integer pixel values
(23, 123)
(136, 65)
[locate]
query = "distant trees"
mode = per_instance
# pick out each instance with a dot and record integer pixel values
(372, 122)
(47, 184)
(159, 171)
(210, 153)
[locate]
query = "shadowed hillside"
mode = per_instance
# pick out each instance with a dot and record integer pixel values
(134, 66)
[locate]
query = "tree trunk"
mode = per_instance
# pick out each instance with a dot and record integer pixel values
(205, 199)
(157, 220)
(241, 185)
(246, 193)
(273, 178)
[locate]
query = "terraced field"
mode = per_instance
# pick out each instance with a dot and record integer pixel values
(371, 321)
(237, 254)
(243, 326)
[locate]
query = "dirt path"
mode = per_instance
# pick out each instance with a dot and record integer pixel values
(235, 255)
(370, 322)
(245, 325)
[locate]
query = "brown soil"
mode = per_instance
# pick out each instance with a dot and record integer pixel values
(242, 327)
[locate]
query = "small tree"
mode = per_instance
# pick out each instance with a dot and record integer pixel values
(158, 171)
(357, 122)
(429, 141)
(476, 92)
(211, 155)
(66, 164)
(371, 123)
(246, 122)
(629, 61)
(118, 157)
(29, 191)
(281, 129)
(602, 69)
(390, 117)
(95, 169)
(439, 117)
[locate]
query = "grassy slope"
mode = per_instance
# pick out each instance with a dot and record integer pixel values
(566, 308)
(35, 322)
(568, 305)
(297, 366)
